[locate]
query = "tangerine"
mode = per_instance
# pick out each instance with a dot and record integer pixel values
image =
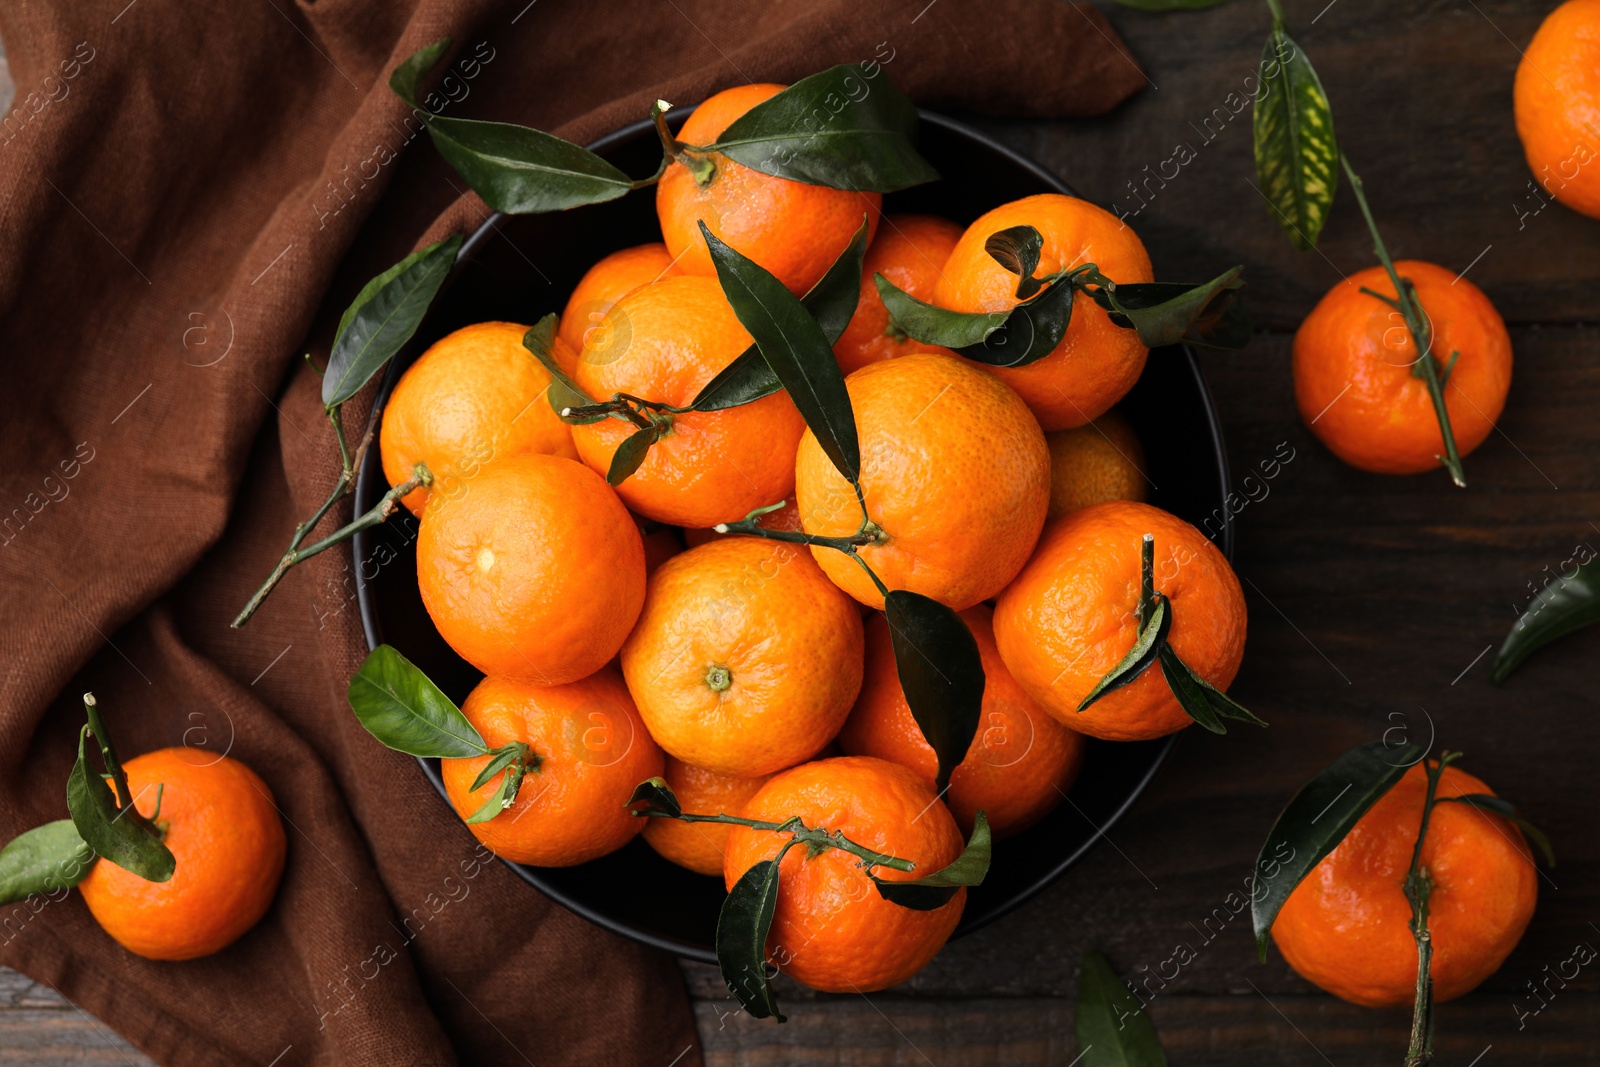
(536, 572)
(910, 251)
(590, 750)
(1347, 925)
(698, 846)
(1069, 618)
(793, 229)
(1556, 97)
(602, 285)
(1096, 361)
(472, 397)
(1098, 461)
(222, 826)
(832, 929)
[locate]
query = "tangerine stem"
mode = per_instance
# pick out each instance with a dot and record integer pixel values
(1418, 887)
(800, 833)
(1416, 319)
(387, 505)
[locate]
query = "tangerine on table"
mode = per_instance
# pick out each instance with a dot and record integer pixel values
(1352, 370)
(746, 659)
(955, 474)
(698, 846)
(663, 343)
(1556, 97)
(609, 280)
(1093, 463)
(590, 751)
(1021, 761)
(1069, 618)
(831, 929)
(910, 251)
(222, 827)
(1097, 361)
(793, 229)
(536, 572)
(474, 396)
(1347, 926)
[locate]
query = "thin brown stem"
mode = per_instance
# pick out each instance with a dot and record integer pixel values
(815, 838)
(1418, 888)
(386, 506)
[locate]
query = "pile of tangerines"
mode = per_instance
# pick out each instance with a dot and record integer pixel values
(627, 634)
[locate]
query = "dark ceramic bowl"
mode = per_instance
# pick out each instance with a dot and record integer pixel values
(520, 268)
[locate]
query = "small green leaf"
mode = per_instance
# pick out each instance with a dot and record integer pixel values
(515, 169)
(563, 393)
(742, 928)
(382, 318)
(794, 346)
(1025, 334)
(1317, 819)
(1017, 249)
(1559, 608)
(43, 860)
(832, 301)
(630, 454)
(510, 785)
(403, 709)
(1112, 1027)
(934, 890)
(1204, 702)
(1210, 315)
(1508, 811)
(940, 673)
(835, 128)
(1297, 155)
(1146, 646)
(503, 758)
(655, 796)
(122, 837)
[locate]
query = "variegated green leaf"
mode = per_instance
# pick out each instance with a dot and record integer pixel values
(1297, 156)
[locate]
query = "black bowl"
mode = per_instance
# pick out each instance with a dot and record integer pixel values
(509, 270)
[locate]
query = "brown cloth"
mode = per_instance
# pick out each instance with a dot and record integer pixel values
(189, 195)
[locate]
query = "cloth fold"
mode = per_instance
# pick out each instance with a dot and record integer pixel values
(189, 196)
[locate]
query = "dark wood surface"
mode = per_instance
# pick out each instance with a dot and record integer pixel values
(1374, 601)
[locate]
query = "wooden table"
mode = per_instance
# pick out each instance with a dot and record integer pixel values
(1374, 601)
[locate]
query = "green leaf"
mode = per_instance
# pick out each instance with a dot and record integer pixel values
(1171, 5)
(1149, 643)
(1112, 1027)
(1508, 811)
(1017, 249)
(834, 128)
(1559, 608)
(1210, 315)
(515, 169)
(43, 860)
(794, 346)
(1317, 819)
(1297, 156)
(1025, 334)
(742, 927)
(563, 393)
(1204, 702)
(940, 673)
(510, 785)
(655, 796)
(122, 837)
(832, 301)
(382, 318)
(503, 758)
(934, 890)
(631, 453)
(403, 709)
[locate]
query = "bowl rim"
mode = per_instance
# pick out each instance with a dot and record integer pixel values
(372, 629)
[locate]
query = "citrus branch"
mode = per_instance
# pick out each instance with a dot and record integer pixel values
(420, 478)
(816, 839)
(1418, 888)
(1410, 307)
